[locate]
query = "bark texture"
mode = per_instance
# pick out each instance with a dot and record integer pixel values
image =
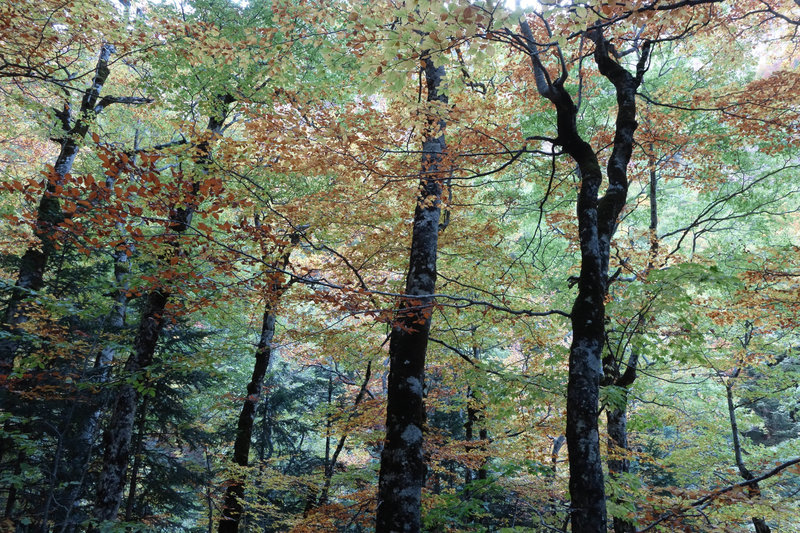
(402, 471)
(597, 222)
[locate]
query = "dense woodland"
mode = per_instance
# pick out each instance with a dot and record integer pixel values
(293, 265)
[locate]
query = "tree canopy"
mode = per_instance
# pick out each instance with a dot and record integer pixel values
(288, 265)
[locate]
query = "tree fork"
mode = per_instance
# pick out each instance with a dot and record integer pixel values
(597, 221)
(33, 265)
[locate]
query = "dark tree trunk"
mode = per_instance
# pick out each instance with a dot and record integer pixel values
(137, 462)
(469, 431)
(234, 494)
(331, 459)
(753, 490)
(117, 437)
(597, 222)
(475, 418)
(402, 471)
(618, 462)
(33, 265)
(617, 420)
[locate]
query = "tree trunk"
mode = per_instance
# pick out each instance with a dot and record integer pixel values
(117, 438)
(33, 265)
(137, 462)
(89, 426)
(30, 277)
(330, 466)
(618, 462)
(753, 490)
(617, 418)
(402, 471)
(597, 222)
(234, 494)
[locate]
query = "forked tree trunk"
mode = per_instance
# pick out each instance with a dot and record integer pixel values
(597, 222)
(402, 471)
(330, 463)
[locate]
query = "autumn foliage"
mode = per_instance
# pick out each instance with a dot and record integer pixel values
(559, 243)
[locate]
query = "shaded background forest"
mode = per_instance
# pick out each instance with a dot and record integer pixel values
(207, 210)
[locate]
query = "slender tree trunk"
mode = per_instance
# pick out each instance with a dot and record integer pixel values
(117, 438)
(753, 489)
(475, 419)
(618, 462)
(137, 462)
(33, 265)
(209, 498)
(402, 471)
(330, 466)
(617, 421)
(234, 494)
(469, 427)
(11, 498)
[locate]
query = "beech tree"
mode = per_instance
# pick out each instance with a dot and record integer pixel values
(402, 460)
(374, 264)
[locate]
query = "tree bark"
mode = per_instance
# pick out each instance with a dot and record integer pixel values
(117, 438)
(89, 427)
(33, 265)
(475, 418)
(402, 471)
(137, 462)
(618, 462)
(597, 222)
(234, 494)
